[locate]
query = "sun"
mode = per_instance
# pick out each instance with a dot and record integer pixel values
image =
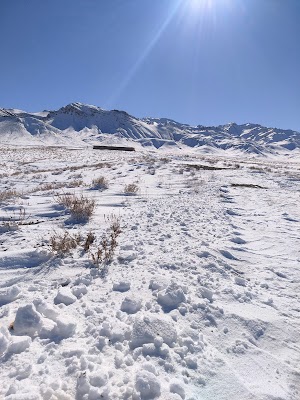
(198, 5)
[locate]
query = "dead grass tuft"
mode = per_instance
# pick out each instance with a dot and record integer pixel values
(106, 248)
(8, 194)
(50, 186)
(64, 243)
(90, 239)
(131, 188)
(100, 183)
(74, 183)
(199, 167)
(247, 185)
(13, 221)
(80, 207)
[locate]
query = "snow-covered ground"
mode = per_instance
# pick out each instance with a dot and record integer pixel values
(200, 301)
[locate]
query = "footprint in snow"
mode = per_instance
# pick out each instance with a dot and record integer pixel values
(288, 218)
(238, 240)
(228, 255)
(233, 213)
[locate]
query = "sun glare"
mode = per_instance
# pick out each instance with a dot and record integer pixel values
(205, 4)
(199, 3)
(205, 8)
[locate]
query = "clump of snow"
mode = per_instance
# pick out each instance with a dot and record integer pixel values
(65, 296)
(12, 344)
(119, 333)
(90, 385)
(39, 319)
(126, 256)
(240, 281)
(9, 294)
(27, 321)
(146, 329)
(98, 378)
(4, 340)
(147, 385)
(65, 327)
(19, 344)
(121, 286)
(131, 305)
(46, 309)
(157, 284)
(177, 386)
(79, 290)
(171, 297)
(206, 293)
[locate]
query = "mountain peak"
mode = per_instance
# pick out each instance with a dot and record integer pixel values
(78, 108)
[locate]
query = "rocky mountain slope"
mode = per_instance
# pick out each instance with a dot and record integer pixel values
(79, 125)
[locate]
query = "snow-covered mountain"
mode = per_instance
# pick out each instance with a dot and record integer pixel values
(78, 124)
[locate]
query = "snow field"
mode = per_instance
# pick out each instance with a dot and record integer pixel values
(199, 302)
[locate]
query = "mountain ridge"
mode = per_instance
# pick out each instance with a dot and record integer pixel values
(82, 125)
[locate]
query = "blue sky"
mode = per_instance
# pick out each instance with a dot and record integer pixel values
(196, 61)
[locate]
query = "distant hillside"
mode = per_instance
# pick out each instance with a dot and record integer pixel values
(80, 125)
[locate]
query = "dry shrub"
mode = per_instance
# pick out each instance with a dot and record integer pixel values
(131, 188)
(100, 183)
(108, 244)
(97, 165)
(13, 221)
(50, 186)
(74, 183)
(247, 185)
(89, 241)
(194, 184)
(80, 207)
(64, 243)
(8, 194)
(199, 167)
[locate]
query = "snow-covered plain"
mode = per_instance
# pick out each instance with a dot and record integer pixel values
(200, 301)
